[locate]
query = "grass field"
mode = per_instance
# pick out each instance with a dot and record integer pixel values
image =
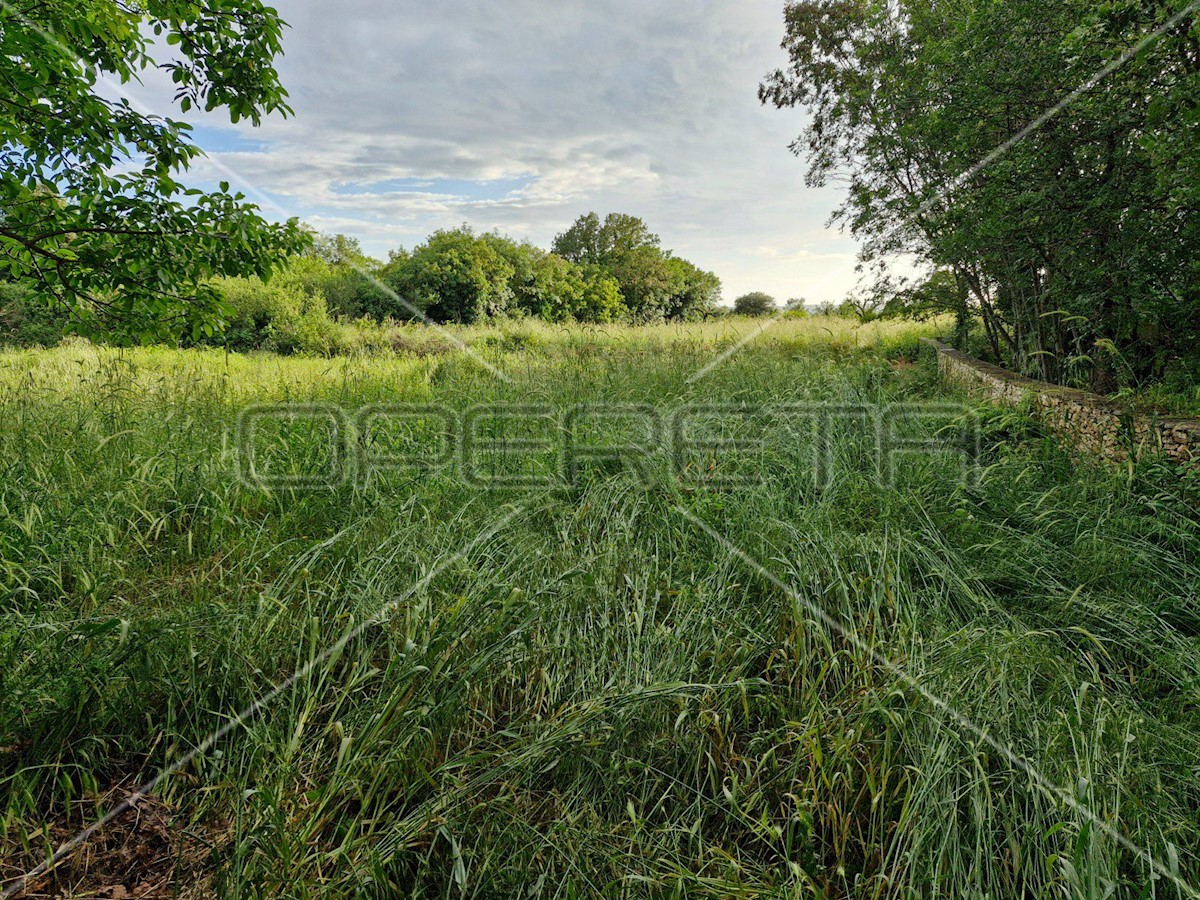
(679, 666)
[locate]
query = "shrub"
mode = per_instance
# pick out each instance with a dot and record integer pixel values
(455, 276)
(352, 289)
(542, 284)
(278, 315)
(755, 303)
(601, 300)
(28, 321)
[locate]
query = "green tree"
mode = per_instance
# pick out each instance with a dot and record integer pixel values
(624, 248)
(351, 281)
(25, 322)
(941, 293)
(92, 215)
(561, 291)
(604, 243)
(864, 307)
(695, 293)
(280, 315)
(340, 250)
(654, 284)
(1082, 233)
(536, 282)
(601, 300)
(455, 276)
(647, 281)
(756, 303)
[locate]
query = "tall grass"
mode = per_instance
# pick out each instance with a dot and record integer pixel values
(600, 698)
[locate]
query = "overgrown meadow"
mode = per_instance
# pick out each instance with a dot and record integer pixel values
(656, 673)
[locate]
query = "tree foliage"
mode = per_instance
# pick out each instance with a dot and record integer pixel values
(756, 303)
(694, 292)
(1065, 231)
(599, 271)
(654, 284)
(92, 214)
(590, 240)
(455, 276)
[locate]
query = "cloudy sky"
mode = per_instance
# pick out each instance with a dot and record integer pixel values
(520, 115)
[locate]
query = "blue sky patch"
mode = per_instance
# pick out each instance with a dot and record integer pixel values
(225, 140)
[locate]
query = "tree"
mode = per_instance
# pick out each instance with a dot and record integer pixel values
(350, 280)
(561, 291)
(695, 292)
(601, 300)
(92, 215)
(340, 250)
(455, 276)
(544, 284)
(654, 284)
(864, 307)
(756, 303)
(353, 290)
(647, 282)
(1080, 234)
(604, 243)
(942, 292)
(623, 247)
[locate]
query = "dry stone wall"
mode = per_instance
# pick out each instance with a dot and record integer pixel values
(1090, 422)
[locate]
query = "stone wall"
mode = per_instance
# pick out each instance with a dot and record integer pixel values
(1090, 422)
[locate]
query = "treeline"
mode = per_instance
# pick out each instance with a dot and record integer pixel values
(1040, 157)
(607, 270)
(598, 271)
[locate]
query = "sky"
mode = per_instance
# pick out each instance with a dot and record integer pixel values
(521, 115)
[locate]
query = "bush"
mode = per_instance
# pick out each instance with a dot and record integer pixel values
(512, 341)
(601, 300)
(455, 276)
(26, 321)
(754, 304)
(351, 290)
(549, 287)
(278, 315)
(542, 284)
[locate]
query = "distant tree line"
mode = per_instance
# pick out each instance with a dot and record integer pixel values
(1040, 157)
(596, 271)
(606, 270)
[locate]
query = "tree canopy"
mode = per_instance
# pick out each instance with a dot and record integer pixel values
(756, 303)
(1041, 153)
(92, 214)
(589, 240)
(654, 283)
(460, 276)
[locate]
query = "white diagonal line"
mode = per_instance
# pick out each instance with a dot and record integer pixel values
(244, 716)
(1029, 129)
(746, 340)
(1043, 783)
(262, 196)
(1058, 107)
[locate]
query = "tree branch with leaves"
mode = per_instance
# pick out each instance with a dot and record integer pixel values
(92, 212)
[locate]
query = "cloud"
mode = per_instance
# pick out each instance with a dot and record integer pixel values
(521, 115)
